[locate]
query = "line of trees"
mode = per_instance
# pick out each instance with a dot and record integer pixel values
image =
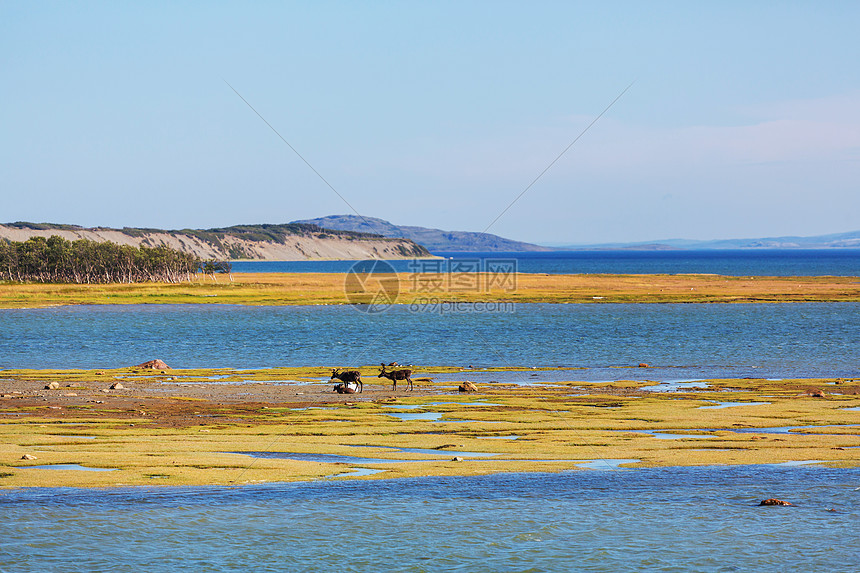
(57, 260)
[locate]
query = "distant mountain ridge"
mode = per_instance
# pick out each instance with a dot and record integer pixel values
(287, 242)
(435, 240)
(849, 240)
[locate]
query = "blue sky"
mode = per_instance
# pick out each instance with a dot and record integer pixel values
(743, 121)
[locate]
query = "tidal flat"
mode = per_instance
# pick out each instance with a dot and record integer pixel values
(329, 288)
(231, 427)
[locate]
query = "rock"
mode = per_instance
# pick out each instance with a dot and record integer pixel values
(100, 373)
(70, 394)
(52, 386)
(456, 459)
(774, 501)
(643, 365)
(467, 387)
(116, 386)
(817, 393)
(29, 457)
(154, 365)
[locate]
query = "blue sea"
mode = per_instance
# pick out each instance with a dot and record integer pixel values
(747, 262)
(667, 519)
(679, 340)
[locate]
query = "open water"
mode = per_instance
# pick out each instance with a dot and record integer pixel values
(737, 262)
(670, 519)
(679, 340)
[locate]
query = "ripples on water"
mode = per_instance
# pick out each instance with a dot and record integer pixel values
(694, 340)
(677, 519)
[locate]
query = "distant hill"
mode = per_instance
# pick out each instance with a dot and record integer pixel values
(434, 240)
(289, 242)
(834, 241)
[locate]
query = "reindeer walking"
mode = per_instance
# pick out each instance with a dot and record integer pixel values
(395, 375)
(348, 376)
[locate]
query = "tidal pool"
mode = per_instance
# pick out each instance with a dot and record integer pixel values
(75, 467)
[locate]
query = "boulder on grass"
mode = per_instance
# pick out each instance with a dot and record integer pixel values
(52, 386)
(467, 387)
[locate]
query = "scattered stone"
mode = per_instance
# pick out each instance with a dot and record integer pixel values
(105, 390)
(117, 386)
(644, 365)
(154, 365)
(774, 501)
(70, 394)
(52, 386)
(467, 387)
(456, 459)
(29, 457)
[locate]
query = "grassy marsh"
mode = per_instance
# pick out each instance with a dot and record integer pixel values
(183, 427)
(328, 288)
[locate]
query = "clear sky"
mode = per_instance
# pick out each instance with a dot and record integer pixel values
(743, 121)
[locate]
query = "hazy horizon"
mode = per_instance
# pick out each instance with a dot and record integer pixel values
(742, 120)
(556, 245)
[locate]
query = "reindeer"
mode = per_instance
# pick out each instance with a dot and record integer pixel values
(348, 376)
(395, 375)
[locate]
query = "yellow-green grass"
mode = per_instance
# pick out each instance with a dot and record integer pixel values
(329, 288)
(179, 438)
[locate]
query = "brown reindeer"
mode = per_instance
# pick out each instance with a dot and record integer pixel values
(395, 375)
(348, 376)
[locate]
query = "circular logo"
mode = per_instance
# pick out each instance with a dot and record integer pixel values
(372, 286)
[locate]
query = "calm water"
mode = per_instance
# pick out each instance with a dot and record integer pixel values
(682, 340)
(691, 519)
(751, 262)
